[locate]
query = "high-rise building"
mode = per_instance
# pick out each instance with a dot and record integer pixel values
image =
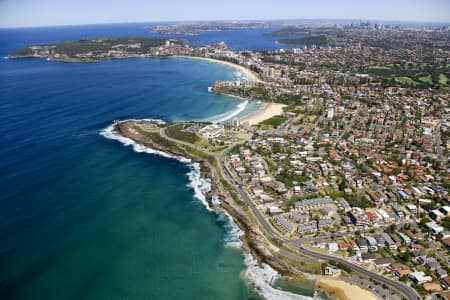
(330, 113)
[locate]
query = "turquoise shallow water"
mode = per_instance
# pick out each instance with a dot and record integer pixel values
(83, 217)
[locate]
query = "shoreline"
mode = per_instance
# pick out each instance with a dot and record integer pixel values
(253, 240)
(342, 290)
(267, 111)
(250, 75)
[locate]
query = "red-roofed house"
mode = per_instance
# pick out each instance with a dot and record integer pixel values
(446, 243)
(343, 246)
(432, 287)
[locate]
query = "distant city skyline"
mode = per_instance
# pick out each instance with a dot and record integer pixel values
(30, 13)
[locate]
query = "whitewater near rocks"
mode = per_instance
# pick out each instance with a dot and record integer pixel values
(260, 276)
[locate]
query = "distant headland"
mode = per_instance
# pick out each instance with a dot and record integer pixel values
(363, 135)
(98, 49)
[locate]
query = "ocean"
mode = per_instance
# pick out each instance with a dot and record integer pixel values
(84, 217)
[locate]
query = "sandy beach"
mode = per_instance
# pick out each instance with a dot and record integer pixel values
(266, 112)
(251, 76)
(342, 290)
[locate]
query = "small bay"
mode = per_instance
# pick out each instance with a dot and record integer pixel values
(83, 217)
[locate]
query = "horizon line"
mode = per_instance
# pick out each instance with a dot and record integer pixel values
(228, 20)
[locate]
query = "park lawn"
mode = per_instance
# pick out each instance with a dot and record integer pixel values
(299, 117)
(443, 79)
(201, 142)
(274, 121)
(380, 68)
(406, 81)
(426, 79)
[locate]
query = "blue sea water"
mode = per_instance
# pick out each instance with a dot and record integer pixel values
(81, 216)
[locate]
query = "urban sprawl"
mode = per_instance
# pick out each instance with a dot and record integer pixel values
(357, 166)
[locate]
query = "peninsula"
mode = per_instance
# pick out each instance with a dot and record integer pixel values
(350, 178)
(195, 28)
(97, 49)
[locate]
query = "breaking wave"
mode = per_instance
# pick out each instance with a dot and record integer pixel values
(261, 277)
(240, 76)
(233, 233)
(109, 133)
(230, 114)
(200, 185)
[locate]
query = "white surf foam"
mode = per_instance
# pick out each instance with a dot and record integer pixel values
(240, 76)
(215, 201)
(228, 115)
(233, 232)
(109, 133)
(263, 277)
(200, 185)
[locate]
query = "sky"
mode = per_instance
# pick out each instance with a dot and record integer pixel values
(30, 13)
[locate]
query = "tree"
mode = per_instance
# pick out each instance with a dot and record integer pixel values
(351, 251)
(405, 257)
(392, 228)
(446, 223)
(396, 171)
(424, 221)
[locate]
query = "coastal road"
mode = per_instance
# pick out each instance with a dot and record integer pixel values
(407, 291)
(229, 177)
(243, 195)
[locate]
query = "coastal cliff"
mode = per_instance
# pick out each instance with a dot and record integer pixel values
(254, 240)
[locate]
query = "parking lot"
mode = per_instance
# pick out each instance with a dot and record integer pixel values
(377, 289)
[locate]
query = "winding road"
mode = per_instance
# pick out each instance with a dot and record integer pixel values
(396, 285)
(403, 289)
